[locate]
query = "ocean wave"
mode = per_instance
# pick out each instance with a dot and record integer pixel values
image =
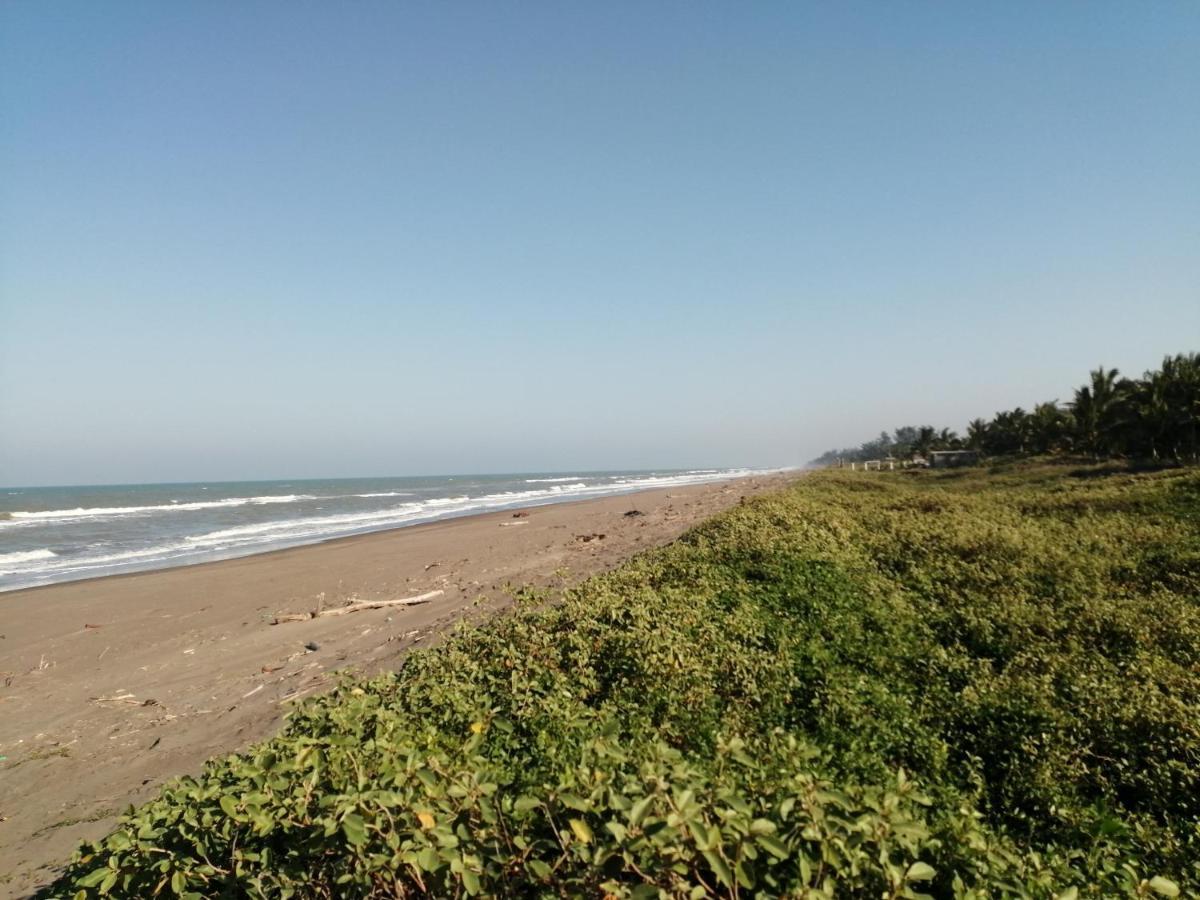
(42, 566)
(387, 494)
(332, 525)
(304, 527)
(22, 556)
(76, 565)
(548, 480)
(684, 479)
(98, 511)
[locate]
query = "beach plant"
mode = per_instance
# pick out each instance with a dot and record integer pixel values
(912, 684)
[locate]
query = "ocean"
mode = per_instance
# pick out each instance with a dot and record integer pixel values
(55, 534)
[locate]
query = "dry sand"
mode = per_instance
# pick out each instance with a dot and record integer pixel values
(108, 687)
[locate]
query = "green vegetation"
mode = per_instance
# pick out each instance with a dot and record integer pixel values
(1155, 417)
(951, 684)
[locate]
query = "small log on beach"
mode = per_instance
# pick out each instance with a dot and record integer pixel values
(358, 607)
(380, 604)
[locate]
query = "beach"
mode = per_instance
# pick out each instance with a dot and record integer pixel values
(111, 686)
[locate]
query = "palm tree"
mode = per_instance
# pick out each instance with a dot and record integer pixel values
(1180, 376)
(1009, 432)
(1148, 417)
(924, 441)
(977, 434)
(947, 440)
(1047, 427)
(1158, 415)
(1094, 409)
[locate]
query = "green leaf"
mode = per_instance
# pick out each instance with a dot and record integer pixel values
(178, 881)
(470, 882)
(719, 866)
(94, 877)
(744, 876)
(617, 830)
(639, 810)
(1164, 886)
(582, 830)
(229, 805)
(762, 826)
(120, 840)
(919, 871)
(355, 829)
(773, 845)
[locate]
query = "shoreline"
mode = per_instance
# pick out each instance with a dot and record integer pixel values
(111, 685)
(220, 557)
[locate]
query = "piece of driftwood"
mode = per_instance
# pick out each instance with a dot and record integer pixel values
(358, 607)
(124, 698)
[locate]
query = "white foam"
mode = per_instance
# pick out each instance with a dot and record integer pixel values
(310, 527)
(304, 527)
(387, 494)
(43, 565)
(174, 506)
(22, 556)
(76, 565)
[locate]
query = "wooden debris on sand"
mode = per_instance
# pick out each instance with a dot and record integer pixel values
(124, 698)
(359, 606)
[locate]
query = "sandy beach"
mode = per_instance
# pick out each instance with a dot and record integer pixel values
(109, 687)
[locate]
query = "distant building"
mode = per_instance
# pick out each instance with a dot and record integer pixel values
(945, 459)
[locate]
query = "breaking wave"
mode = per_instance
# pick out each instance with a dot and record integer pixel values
(98, 511)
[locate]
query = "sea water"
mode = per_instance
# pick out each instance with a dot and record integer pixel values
(55, 534)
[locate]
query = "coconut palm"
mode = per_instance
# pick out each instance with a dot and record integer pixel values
(1095, 409)
(926, 435)
(1048, 426)
(1156, 416)
(1009, 432)
(977, 434)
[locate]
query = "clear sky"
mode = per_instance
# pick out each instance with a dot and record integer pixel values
(257, 240)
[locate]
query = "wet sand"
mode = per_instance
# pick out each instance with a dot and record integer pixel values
(110, 686)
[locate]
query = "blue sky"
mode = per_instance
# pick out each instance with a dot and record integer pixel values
(283, 240)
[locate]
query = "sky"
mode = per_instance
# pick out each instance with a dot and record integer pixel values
(282, 240)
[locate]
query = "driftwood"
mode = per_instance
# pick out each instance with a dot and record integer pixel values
(357, 607)
(124, 698)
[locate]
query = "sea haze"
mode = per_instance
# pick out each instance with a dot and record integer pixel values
(55, 534)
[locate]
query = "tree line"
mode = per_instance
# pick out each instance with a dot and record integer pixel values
(1155, 417)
